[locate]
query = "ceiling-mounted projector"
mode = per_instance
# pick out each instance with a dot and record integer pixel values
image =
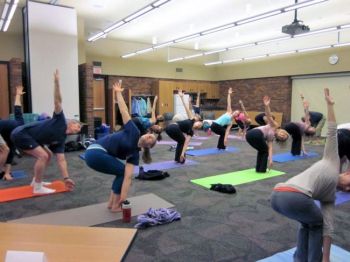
(297, 27)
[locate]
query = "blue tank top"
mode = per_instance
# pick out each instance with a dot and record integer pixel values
(224, 120)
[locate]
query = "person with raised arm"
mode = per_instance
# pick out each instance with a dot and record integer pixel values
(116, 154)
(296, 197)
(298, 130)
(182, 131)
(6, 127)
(242, 119)
(222, 125)
(261, 138)
(43, 138)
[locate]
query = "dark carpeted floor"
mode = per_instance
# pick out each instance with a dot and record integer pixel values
(214, 226)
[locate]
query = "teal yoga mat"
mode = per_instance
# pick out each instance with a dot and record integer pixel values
(236, 178)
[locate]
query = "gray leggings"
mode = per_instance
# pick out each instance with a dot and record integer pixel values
(302, 208)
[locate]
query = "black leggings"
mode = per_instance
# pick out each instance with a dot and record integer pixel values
(260, 119)
(255, 138)
(296, 134)
(219, 130)
(174, 132)
(344, 143)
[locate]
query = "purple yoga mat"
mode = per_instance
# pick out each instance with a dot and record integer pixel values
(340, 198)
(165, 165)
(201, 137)
(174, 143)
(236, 137)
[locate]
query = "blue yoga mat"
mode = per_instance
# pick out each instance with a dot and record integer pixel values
(82, 156)
(164, 165)
(211, 151)
(18, 174)
(340, 198)
(286, 157)
(337, 255)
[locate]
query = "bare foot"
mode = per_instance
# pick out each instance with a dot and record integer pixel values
(7, 176)
(115, 209)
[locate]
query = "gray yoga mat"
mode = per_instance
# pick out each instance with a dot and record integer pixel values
(95, 214)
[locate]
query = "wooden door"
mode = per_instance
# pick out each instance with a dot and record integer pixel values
(165, 96)
(99, 103)
(4, 92)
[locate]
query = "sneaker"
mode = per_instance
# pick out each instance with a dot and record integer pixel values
(39, 189)
(43, 183)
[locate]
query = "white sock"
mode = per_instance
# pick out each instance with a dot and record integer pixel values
(42, 183)
(38, 188)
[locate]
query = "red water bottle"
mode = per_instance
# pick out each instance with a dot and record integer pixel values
(126, 208)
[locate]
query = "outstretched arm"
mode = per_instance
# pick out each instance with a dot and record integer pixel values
(57, 93)
(62, 165)
(129, 169)
(188, 112)
(18, 105)
(243, 108)
(306, 112)
(153, 116)
(331, 146)
(227, 132)
(229, 108)
(198, 100)
(268, 114)
(117, 87)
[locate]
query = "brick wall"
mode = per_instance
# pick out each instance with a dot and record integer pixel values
(15, 72)
(251, 92)
(86, 96)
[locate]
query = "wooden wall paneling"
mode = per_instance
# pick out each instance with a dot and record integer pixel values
(99, 103)
(4, 92)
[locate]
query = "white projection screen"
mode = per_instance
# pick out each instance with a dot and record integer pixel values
(312, 89)
(53, 43)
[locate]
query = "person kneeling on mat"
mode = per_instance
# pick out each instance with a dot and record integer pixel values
(107, 155)
(42, 138)
(295, 197)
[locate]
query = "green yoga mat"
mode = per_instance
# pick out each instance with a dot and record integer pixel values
(236, 178)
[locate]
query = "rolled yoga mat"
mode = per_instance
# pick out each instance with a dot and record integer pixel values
(337, 255)
(286, 157)
(211, 151)
(21, 192)
(95, 214)
(236, 178)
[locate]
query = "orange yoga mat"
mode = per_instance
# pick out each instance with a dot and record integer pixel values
(21, 192)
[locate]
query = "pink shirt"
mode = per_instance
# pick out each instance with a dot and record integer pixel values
(268, 131)
(241, 117)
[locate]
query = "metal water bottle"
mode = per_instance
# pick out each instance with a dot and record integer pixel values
(126, 209)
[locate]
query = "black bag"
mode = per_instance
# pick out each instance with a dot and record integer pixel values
(223, 188)
(151, 174)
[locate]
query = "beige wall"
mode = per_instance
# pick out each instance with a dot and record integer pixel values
(143, 68)
(298, 64)
(11, 46)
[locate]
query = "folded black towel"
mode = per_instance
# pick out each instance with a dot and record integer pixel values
(223, 188)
